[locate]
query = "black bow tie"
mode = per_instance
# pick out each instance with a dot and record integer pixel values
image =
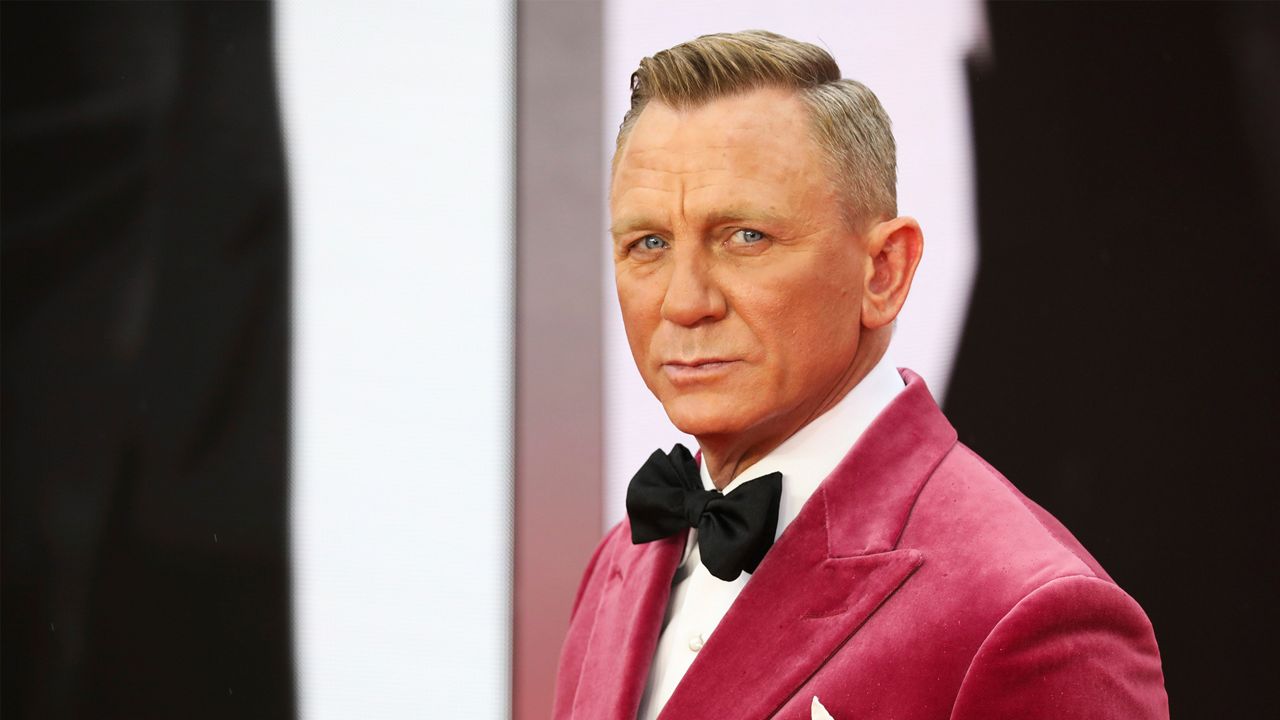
(734, 530)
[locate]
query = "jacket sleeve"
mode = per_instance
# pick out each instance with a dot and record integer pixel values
(1076, 647)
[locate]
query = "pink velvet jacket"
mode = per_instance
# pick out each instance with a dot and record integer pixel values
(915, 583)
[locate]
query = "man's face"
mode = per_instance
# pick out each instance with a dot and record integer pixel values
(740, 281)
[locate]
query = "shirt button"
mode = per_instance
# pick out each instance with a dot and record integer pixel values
(696, 642)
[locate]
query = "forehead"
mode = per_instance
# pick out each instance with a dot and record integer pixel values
(752, 147)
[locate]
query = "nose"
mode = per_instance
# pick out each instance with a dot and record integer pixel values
(692, 294)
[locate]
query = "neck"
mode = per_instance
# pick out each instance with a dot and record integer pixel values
(731, 454)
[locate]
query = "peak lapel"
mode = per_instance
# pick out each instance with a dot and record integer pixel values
(832, 568)
(625, 632)
(794, 613)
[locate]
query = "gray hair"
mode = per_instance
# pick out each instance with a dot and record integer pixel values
(850, 126)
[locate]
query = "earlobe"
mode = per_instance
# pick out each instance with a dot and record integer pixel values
(894, 249)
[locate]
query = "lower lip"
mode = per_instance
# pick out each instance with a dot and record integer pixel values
(696, 373)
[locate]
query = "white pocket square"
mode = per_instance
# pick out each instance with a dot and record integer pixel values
(819, 712)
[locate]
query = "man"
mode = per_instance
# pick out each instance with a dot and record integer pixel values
(760, 264)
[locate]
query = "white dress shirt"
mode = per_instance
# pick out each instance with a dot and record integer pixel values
(699, 599)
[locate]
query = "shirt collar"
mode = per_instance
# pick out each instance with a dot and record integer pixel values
(806, 458)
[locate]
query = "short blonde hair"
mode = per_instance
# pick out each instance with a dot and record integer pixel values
(850, 126)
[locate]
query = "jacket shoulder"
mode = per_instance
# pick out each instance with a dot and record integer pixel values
(1052, 634)
(970, 517)
(1075, 647)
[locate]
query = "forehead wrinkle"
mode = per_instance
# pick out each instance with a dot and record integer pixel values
(734, 183)
(654, 177)
(623, 192)
(644, 213)
(684, 165)
(700, 147)
(745, 192)
(683, 194)
(688, 170)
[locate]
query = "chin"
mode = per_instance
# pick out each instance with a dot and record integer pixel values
(702, 416)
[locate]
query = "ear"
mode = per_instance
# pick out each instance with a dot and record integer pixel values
(894, 248)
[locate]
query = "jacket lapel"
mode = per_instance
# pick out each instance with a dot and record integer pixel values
(625, 633)
(832, 568)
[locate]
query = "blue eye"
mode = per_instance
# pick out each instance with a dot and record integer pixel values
(750, 236)
(652, 242)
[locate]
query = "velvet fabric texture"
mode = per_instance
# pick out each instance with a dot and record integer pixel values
(915, 583)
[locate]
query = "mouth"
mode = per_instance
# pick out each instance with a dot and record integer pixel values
(682, 372)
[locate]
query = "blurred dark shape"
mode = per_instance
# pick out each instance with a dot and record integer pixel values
(1120, 362)
(145, 365)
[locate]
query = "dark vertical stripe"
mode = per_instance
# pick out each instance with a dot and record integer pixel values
(560, 230)
(1120, 359)
(145, 368)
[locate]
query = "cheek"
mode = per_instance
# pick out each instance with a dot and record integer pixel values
(806, 326)
(641, 306)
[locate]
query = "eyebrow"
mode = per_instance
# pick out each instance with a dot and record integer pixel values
(728, 216)
(743, 216)
(632, 223)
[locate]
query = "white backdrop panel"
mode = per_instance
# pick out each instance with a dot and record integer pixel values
(401, 181)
